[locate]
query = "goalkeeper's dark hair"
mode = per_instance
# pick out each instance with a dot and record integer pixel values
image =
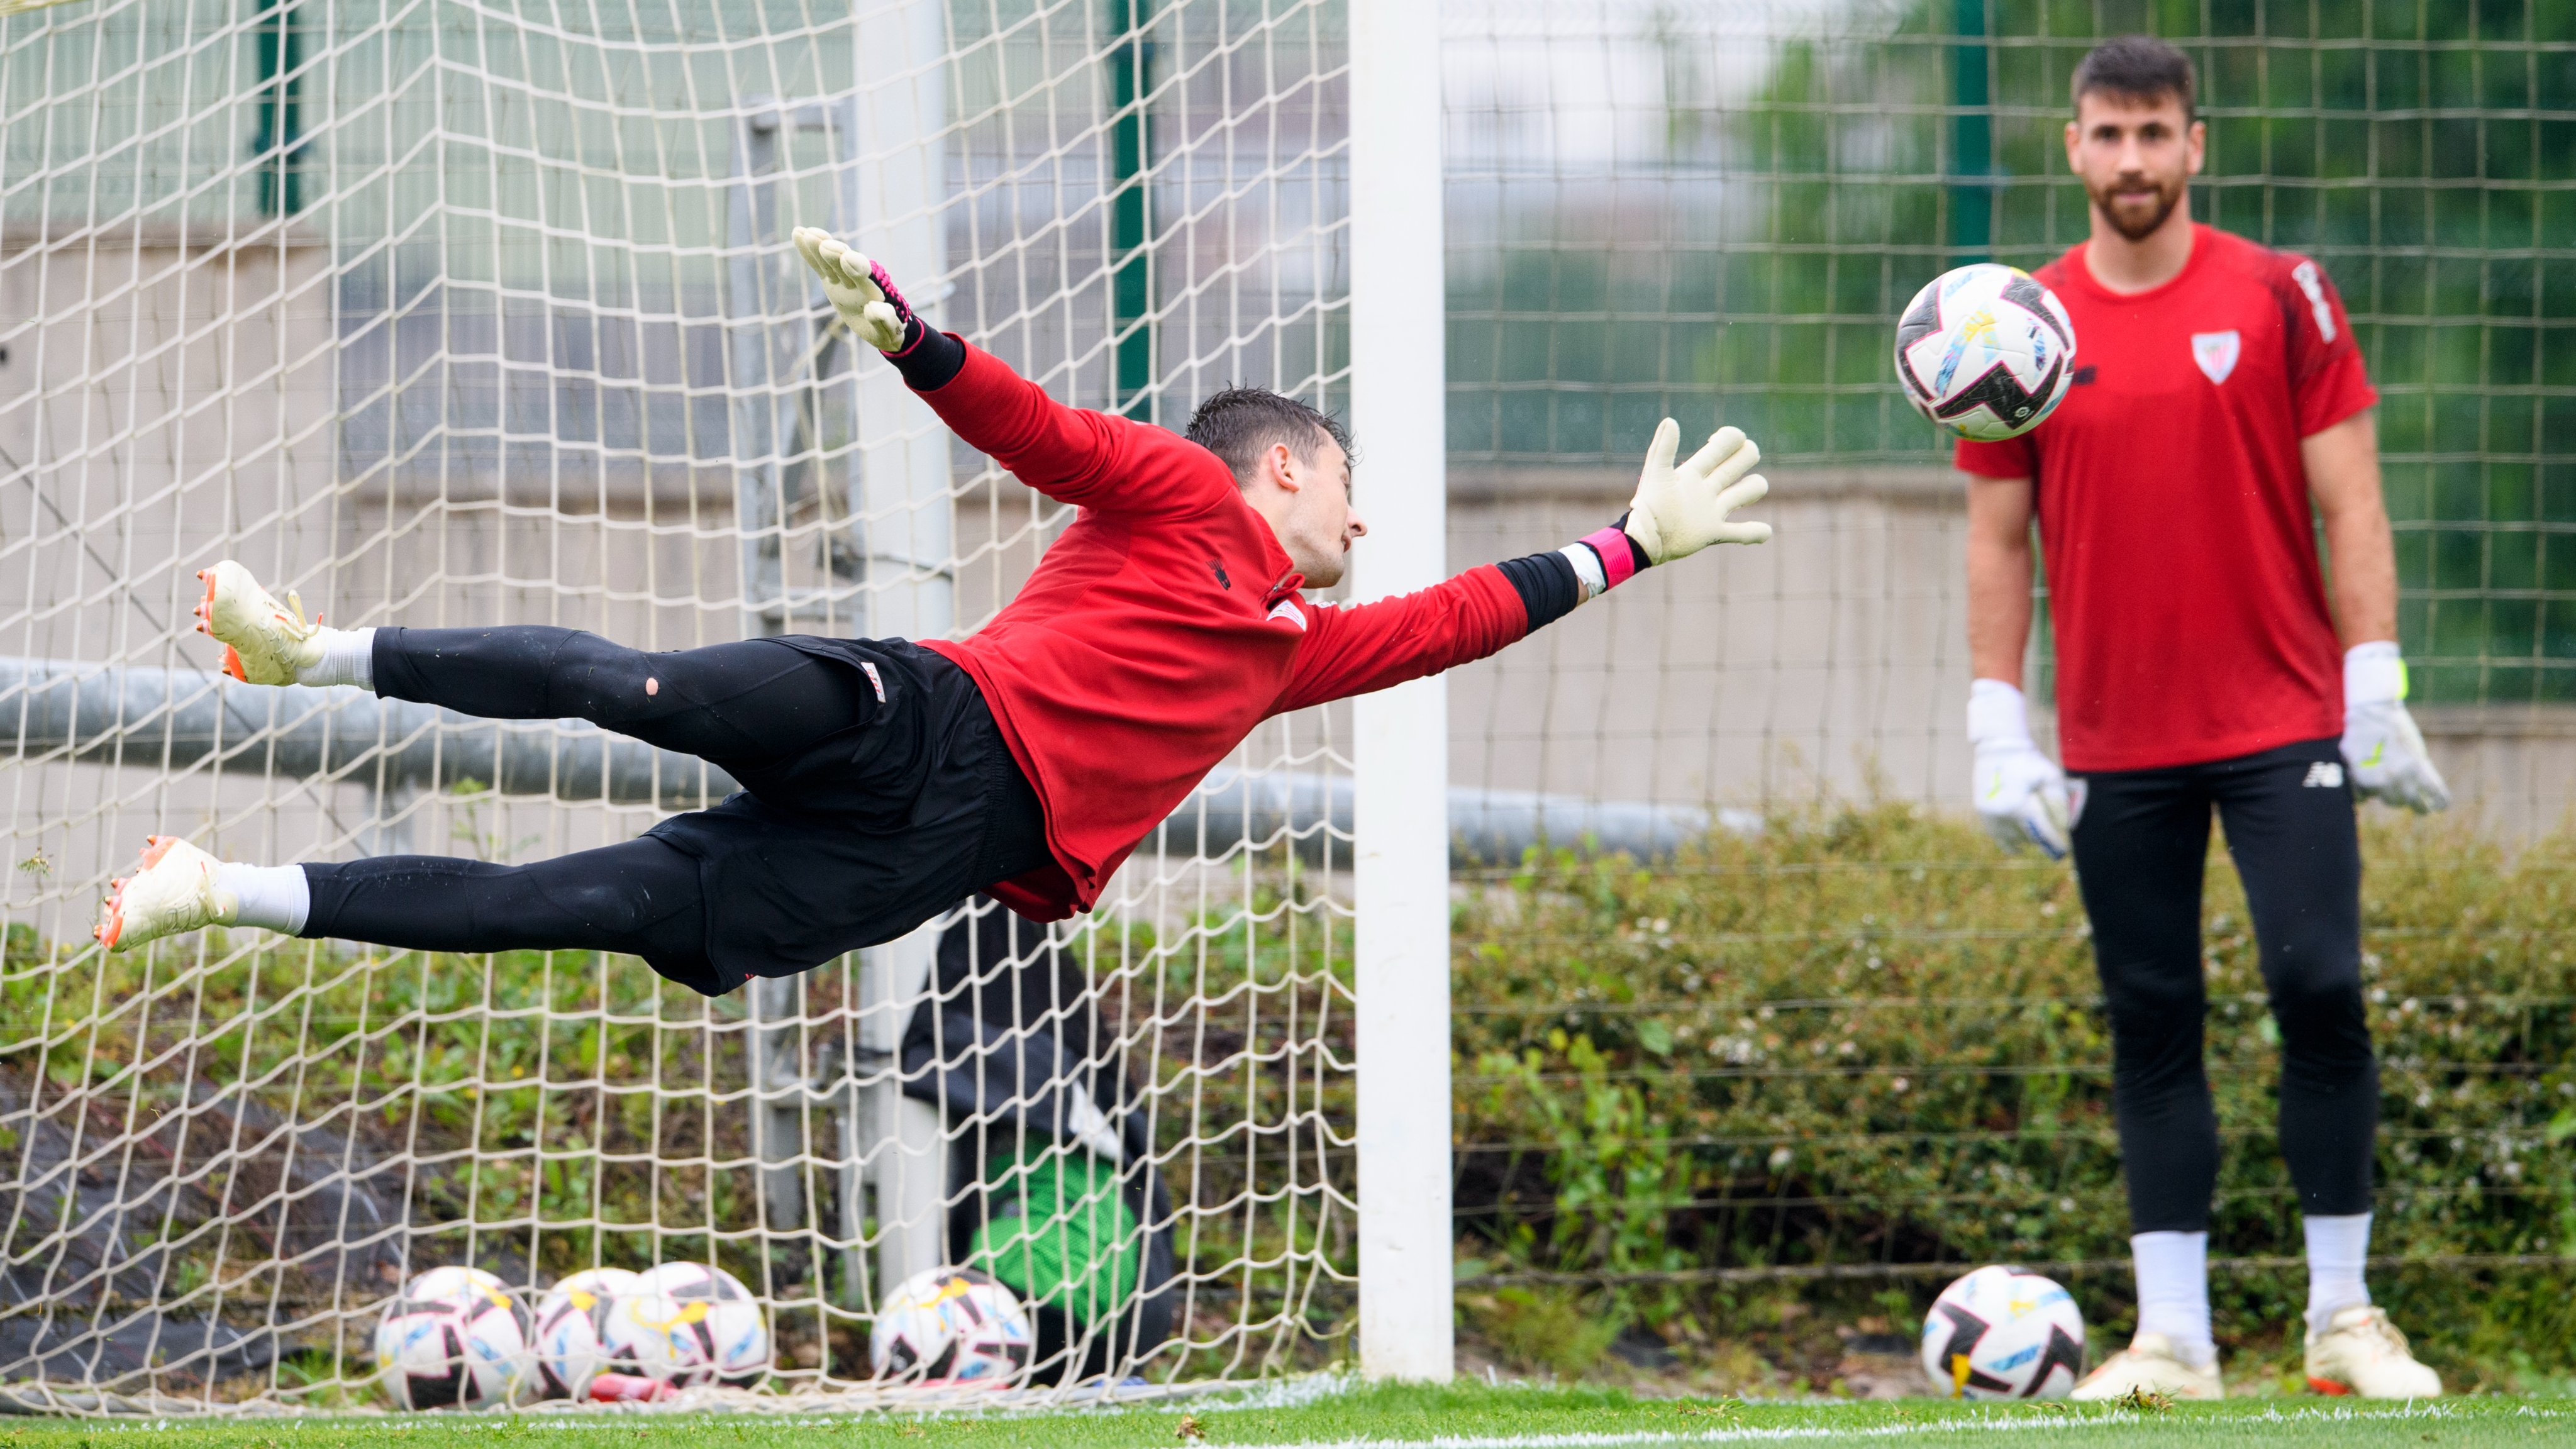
(2137, 68)
(1239, 424)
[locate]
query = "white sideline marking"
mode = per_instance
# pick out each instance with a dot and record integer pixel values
(505, 1422)
(1748, 1434)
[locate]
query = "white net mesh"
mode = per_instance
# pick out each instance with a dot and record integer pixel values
(450, 313)
(447, 313)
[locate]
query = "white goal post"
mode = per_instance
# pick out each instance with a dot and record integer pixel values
(1398, 402)
(459, 312)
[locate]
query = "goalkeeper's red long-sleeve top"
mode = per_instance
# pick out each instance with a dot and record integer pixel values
(1162, 626)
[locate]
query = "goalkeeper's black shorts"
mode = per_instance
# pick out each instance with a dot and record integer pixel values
(877, 793)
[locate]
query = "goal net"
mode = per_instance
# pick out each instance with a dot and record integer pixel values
(446, 312)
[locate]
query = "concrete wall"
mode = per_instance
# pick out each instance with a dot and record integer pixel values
(1833, 656)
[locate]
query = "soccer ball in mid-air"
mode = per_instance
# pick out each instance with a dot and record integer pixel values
(952, 1325)
(572, 1320)
(2003, 1333)
(454, 1337)
(687, 1324)
(1985, 351)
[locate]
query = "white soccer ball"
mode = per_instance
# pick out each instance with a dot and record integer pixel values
(687, 1324)
(732, 1331)
(454, 1337)
(1985, 351)
(952, 1325)
(2003, 1333)
(571, 1322)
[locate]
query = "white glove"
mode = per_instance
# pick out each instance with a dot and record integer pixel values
(860, 290)
(1680, 510)
(2380, 742)
(2020, 793)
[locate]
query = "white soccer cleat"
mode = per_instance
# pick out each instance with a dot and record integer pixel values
(172, 890)
(2362, 1353)
(2147, 1367)
(265, 642)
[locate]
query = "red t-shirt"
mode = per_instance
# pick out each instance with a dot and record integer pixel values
(2173, 507)
(1162, 626)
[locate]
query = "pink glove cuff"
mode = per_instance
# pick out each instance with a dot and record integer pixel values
(1618, 557)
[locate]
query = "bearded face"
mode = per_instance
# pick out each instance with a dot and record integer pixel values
(2137, 202)
(2136, 156)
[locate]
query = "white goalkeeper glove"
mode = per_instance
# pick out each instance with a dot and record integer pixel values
(2380, 742)
(1680, 510)
(860, 291)
(2020, 793)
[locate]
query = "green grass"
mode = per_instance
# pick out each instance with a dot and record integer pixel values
(1461, 1416)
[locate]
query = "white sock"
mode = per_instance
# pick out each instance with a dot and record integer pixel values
(276, 897)
(348, 657)
(2337, 1250)
(2173, 1292)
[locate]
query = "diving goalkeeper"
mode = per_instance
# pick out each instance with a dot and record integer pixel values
(884, 780)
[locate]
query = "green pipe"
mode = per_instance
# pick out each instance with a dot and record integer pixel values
(1131, 278)
(1972, 139)
(277, 147)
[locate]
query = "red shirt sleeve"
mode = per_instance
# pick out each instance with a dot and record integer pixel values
(1074, 455)
(2011, 458)
(1356, 648)
(2327, 380)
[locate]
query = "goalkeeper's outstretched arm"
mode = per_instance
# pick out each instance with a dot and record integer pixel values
(1679, 508)
(1073, 455)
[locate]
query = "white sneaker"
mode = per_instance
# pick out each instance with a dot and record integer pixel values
(2362, 1353)
(2149, 1365)
(172, 890)
(265, 642)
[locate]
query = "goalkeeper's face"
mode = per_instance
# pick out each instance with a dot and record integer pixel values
(2136, 157)
(1313, 517)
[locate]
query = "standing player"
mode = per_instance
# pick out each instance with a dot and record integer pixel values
(2218, 413)
(884, 781)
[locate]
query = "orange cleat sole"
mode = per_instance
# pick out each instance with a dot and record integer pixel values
(206, 626)
(2329, 1386)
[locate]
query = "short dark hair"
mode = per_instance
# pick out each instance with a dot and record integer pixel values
(2136, 68)
(1239, 424)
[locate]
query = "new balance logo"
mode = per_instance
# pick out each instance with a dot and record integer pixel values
(2324, 776)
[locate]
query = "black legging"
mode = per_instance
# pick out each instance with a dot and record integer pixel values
(2141, 844)
(751, 707)
(640, 897)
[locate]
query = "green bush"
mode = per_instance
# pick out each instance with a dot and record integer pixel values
(1866, 1037)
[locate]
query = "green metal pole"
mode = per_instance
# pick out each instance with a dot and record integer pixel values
(1131, 280)
(278, 144)
(1972, 139)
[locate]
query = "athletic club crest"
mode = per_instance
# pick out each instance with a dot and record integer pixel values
(2216, 353)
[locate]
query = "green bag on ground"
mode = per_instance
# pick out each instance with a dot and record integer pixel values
(1058, 1232)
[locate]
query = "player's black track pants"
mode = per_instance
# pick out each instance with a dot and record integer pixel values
(2141, 842)
(876, 793)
